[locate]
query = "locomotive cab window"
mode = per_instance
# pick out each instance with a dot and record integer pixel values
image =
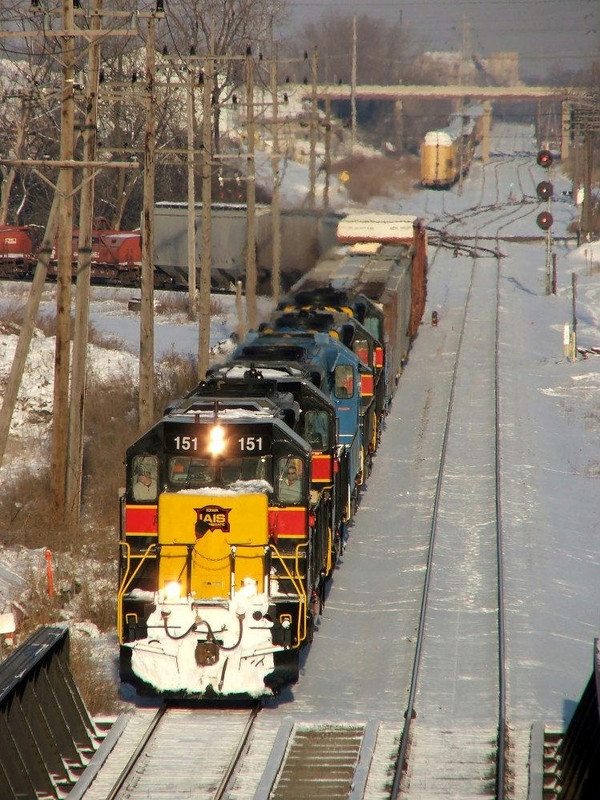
(371, 323)
(361, 349)
(144, 487)
(316, 429)
(344, 381)
(290, 481)
(196, 473)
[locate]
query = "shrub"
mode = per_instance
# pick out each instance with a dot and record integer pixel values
(97, 687)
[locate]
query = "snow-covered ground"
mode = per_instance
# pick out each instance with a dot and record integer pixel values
(551, 462)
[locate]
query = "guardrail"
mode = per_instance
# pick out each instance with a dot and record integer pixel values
(572, 761)
(46, 731)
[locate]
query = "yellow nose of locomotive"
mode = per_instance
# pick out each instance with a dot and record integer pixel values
(209, 543)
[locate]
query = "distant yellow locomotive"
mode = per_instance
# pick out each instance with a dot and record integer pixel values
(447, 154)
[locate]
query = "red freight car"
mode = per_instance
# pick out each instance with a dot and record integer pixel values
(17, 251)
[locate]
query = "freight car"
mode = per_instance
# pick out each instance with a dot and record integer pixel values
(17, 251)
(116, 255)
(305, 235)
(447, 154)
(236, 502)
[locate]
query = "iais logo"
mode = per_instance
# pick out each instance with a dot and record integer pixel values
(210, 518)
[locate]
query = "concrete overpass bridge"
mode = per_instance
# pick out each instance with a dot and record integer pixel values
(402, 92)
(397, 93)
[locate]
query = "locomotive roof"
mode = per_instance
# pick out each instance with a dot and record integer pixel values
(238, 370)
(237, 416)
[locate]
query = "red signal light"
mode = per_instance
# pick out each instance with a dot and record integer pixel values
(544, 190)
(544, 220)
(545, 158)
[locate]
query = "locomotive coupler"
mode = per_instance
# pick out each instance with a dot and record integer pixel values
(206, 653)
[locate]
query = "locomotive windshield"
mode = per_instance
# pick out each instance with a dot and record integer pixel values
(195, 473)
(373, 325)
(316, 429)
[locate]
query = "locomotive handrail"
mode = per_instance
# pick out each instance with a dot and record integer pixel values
(300, 591)
(126, 582)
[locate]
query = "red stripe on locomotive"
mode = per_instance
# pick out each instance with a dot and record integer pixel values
(287, 522)
(321, 468)
(141, 519)
(366, 385)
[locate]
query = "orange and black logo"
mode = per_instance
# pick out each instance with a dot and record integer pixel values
(210, 518)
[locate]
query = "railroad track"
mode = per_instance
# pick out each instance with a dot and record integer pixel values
(454, 739)
(174, 752)
(235, 755)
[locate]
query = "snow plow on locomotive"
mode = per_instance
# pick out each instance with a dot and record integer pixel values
(237, 500)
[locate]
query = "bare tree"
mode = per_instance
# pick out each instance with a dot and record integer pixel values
(224, 28)
(384, 49)
(29, 106)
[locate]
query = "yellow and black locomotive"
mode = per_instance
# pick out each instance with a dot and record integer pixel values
(237, 500)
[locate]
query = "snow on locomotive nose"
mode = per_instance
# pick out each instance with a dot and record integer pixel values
(209, 630)
(213, 553)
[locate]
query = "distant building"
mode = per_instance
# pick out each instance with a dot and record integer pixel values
(499, 69)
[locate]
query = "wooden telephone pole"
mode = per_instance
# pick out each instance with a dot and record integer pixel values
(60, 431)
(206, 255)
(275, 200)
(82, 293)
(312, 156)
(250, 194)
(146, 384)
(61, 219)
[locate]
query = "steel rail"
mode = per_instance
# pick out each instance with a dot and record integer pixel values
(502, 713)
(235, 759)
(409, 713)
(500, 776)
(128, 768)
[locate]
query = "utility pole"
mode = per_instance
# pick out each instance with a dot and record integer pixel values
(63, 281)
(11, 389)
(82, 292)
(565, 129)
(191, 196)
(314, 110)
(327, 162)
(146, 372)
(250, 195)
(588, 163)
(275, 200)
(353, 89)
(66, 164)
(485, 140)
(206, 255)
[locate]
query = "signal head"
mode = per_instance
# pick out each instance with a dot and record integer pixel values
(544, 220)
(545, 158)
(544, 190)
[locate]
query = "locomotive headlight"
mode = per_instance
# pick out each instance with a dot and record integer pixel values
(172, 591)
(216, 441)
